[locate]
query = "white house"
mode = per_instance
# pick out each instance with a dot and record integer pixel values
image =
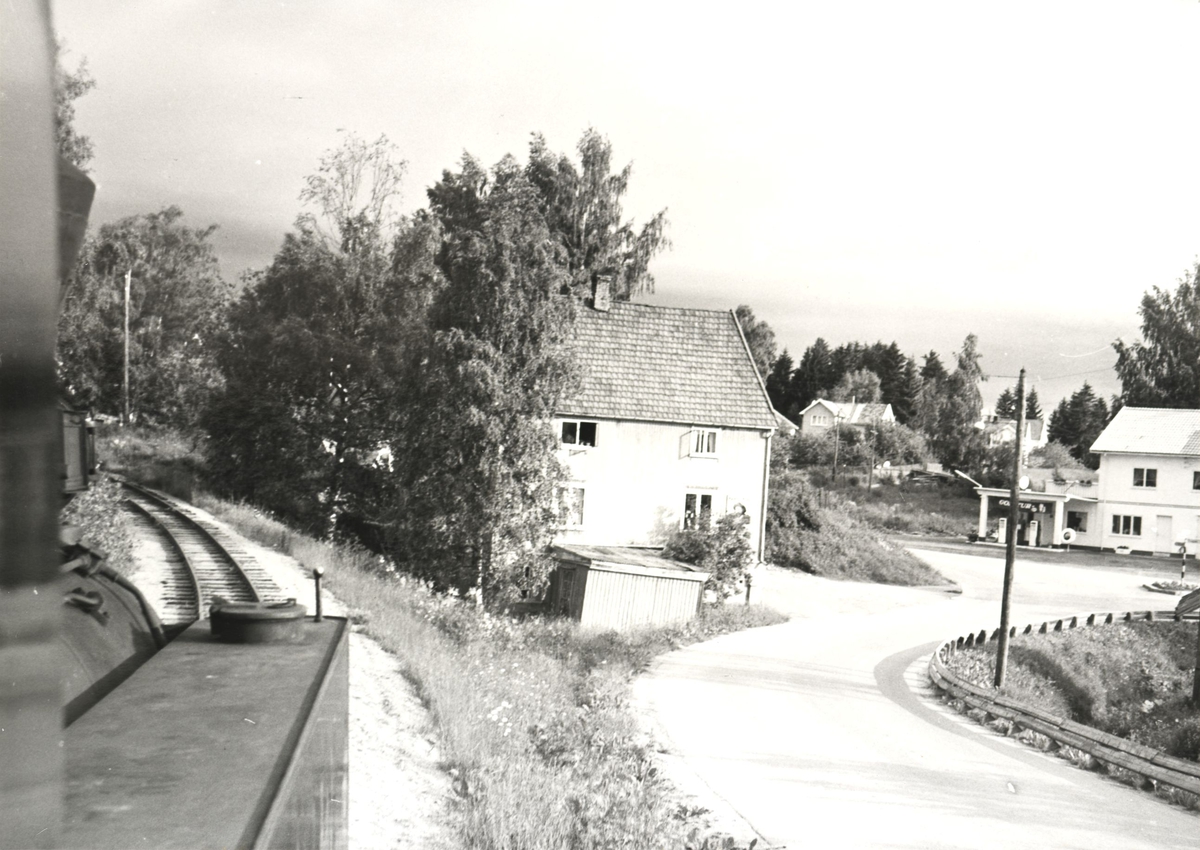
(998, 431)
(1146, 497)
(672, 426)
(1150, 479)
(822, 414)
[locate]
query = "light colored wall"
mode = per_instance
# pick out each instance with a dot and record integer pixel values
(624, 601)
(637, 474)
(1093, 536)
(1172, 497)
(806, 421)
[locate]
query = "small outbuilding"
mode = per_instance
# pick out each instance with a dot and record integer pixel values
(623, 587)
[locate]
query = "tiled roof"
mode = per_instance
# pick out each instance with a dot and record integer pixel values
(666, 364)
(1151, 431)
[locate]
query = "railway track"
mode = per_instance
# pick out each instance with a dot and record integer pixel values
(204, 561)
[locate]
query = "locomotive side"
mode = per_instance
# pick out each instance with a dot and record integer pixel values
(203, 742)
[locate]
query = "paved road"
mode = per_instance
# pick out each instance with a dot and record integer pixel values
(823, 732)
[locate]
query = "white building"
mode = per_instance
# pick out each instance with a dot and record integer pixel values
(671, 428)
(1146, 498)
(1150, 479)
(821, 415)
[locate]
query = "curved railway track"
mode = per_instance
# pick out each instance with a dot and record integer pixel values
(207, 561)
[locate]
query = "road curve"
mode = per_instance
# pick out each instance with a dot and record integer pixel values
(823, 731)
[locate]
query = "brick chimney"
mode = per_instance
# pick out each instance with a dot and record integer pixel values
(602, 293)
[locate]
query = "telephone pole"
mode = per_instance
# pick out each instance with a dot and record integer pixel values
(1010, 548)
(125, 385)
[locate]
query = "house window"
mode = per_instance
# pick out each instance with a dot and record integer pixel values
(697, 510)
(570, 507)
(1127, 525)
(704, 442)
(577, 433)
(1077, 520)
(1145, 477)
(1196, 480)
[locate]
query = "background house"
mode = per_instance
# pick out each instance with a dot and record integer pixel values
(998, 432)
(671, 427)
(822, 414)
(1150, 479)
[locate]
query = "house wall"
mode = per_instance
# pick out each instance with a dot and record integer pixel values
(1169, 511)
(617, 600)
(1093, 522)
(637, 475)
(817, 419)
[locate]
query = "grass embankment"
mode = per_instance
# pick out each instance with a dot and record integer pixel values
(948, 510)
(1132, 679)
(814, 532)
(534, 713)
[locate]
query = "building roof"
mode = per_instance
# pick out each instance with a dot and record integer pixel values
(625, 559)
(1151, 431)
(786, 426)
(667, 364)
(854, 413)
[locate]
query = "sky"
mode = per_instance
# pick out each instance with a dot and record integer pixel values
(851, 169)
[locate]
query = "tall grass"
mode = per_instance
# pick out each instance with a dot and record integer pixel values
(1132, 680)
(534, 714)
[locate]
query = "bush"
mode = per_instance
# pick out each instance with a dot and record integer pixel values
(165, 459)
(105, 525)
(831, 542)
(722, 550)
(1132, 680)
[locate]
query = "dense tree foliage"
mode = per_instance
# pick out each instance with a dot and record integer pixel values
(478, 465)
(1006, 404)
(69, 86)
(956, 411)
(760, 339)
(581, 207)
(1033, 408)
(860, 385)
(722, 549)
(317, 343)
(1163, 369)
(779, 385)
(1077, 422)
(177, 300)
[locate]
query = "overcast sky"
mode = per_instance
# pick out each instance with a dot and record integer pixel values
(856, 170)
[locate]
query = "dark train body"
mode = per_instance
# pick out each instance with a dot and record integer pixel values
(117, 736)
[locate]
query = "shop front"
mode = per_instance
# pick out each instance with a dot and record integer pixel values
(1042, 518)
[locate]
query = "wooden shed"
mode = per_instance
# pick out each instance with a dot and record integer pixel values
(623, 587)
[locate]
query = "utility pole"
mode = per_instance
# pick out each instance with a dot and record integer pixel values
(125, 386)
(1010, 548)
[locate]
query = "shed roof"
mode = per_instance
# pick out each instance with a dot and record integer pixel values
(625, 559)
(667, 364)
(1151, 431)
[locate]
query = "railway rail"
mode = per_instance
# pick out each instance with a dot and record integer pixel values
(208, 563)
